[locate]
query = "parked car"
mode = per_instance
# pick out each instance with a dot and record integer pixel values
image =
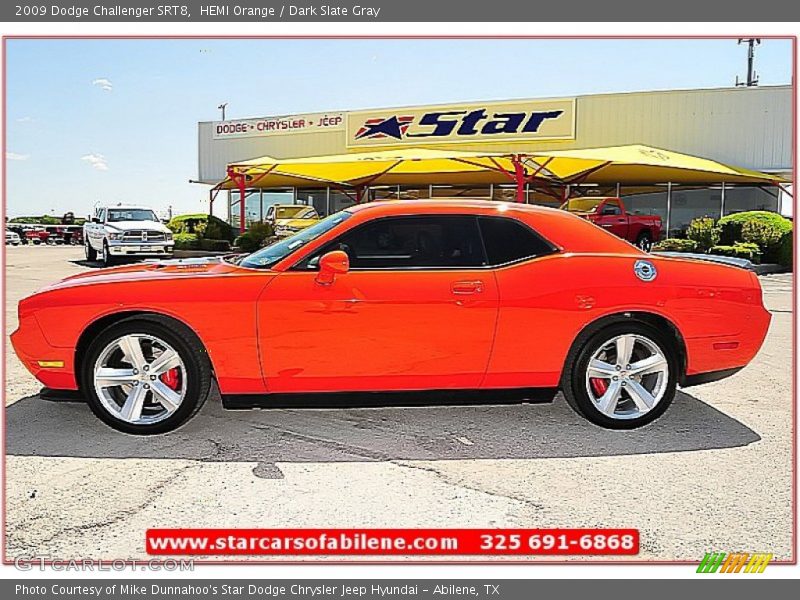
(288, 219)
(126, 232)
(36, 234)
(609, 213)
(399, 296)
(12, 238)
(65, 234)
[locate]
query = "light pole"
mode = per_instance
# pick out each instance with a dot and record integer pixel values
(222, 108)
(752, 78)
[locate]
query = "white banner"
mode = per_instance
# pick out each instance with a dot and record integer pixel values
(266, 126)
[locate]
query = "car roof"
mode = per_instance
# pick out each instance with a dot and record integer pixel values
(128, 207)
(447, 205)
(564, 229)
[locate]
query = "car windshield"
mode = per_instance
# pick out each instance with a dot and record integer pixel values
(582, 204)
(130, 214)
(291, 212)
(266, 257)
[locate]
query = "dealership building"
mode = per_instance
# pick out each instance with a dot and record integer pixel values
(746, 127)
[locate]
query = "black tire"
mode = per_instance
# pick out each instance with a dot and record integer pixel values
(643, 242)
(573, 382)
(108, 260)
(91, 253)
(177, 335)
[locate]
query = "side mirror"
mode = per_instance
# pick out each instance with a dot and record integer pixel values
(95, 220)
(332, 264)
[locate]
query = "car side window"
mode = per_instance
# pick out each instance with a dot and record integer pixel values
(507, 240)
(611, 208)
(413, 242)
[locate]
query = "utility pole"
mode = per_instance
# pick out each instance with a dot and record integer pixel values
(222, 108)
(752, 78)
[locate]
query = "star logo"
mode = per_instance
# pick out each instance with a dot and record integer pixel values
(394, 127)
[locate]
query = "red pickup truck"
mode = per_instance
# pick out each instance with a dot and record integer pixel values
(609, 213)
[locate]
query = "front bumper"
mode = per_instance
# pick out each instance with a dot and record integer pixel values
(119, 248)
(34, 350)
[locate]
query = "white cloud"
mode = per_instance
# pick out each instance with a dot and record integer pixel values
(103, 83)
(97, 161)
(25, 119)
(15, 156)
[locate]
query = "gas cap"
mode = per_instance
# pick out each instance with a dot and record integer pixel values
(645, 270)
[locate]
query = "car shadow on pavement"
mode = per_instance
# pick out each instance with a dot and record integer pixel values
(35, 427)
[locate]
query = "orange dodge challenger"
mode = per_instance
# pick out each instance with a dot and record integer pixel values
(398, 296)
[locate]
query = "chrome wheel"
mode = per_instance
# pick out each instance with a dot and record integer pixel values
(140, 379)
(627, 376)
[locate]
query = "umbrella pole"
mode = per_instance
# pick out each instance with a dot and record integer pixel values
(239, 180)
(519, 177)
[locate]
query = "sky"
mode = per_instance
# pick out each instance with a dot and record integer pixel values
(107, 121)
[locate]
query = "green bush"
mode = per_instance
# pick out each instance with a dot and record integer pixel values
(215, 245)
(757, 226)
(261, 231)
(786, 251)
(705, 232)
(205, 226)
(676, 245)
(186, 241)
(247, 242)
(746, 250)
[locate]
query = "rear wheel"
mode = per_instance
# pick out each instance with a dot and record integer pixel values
(643, 242)
(142, 376)
(623, 376)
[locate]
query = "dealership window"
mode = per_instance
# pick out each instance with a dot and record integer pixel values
(413, 242)
(252, 207)
(693, 202)
(318, 198)
(505, 192)
(741, 198)
(339, 200)
(461, 191)
(552, 197)
(507, 240)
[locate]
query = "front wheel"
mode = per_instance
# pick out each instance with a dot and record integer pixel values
(91, 253)
(623, 376)
(145, 376)
(108, 260)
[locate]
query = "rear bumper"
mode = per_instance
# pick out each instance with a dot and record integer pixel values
(700, 378)
(32, 348)
(716, 357)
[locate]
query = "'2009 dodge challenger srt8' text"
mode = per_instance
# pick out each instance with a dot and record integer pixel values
(399, 296)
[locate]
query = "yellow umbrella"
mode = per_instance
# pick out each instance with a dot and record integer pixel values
(641, 164)
(420, 166)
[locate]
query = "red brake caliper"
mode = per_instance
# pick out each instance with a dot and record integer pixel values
(172, 378)
(599, 386)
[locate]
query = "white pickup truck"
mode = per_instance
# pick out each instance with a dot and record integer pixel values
(126, 232)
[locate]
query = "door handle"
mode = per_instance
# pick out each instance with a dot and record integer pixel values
(621, 220)
(463, 288)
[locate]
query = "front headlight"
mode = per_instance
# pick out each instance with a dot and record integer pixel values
(115, 235)
(168, 236)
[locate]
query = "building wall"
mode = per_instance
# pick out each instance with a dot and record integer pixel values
(747, 127)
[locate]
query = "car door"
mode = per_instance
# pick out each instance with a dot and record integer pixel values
(416, 310)
(95, 230)
(612, 219)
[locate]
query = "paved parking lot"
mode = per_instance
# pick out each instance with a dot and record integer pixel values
(713, 474)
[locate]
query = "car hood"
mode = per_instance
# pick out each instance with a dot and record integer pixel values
(136, 225)
(153, 270)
